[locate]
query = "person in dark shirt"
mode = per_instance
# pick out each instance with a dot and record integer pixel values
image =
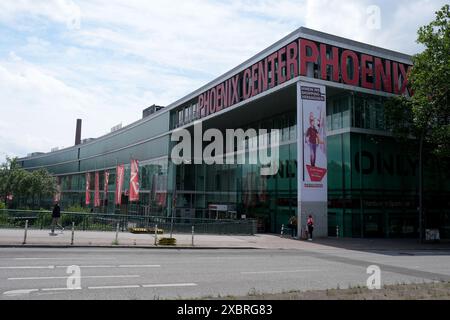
(56, 214)
(310, 225)
(293, 226)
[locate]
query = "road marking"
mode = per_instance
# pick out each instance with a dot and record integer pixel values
(134, 286)
(279, 271)
(68, 258)
(19, 292)
(83, 277)
(94, 266)
(166, 285)
(105, 266)
(140, 266)
(59, 289)
(114, 287)
(119, 266)
(161, 285)
(29, 267)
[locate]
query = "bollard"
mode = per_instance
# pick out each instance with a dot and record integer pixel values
(337, 231)
(117, 234)
(73, 233)
(192, 235)
(156, 234)
(282, 230)
(25, 234)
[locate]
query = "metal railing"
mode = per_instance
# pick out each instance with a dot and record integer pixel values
(108, 222)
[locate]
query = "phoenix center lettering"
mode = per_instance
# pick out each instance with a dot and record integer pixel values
(307, 58)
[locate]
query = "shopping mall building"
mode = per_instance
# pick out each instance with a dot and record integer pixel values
(349, 173)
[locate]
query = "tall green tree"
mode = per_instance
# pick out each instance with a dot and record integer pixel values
(23, 184)
(8, 177)
(426, 115)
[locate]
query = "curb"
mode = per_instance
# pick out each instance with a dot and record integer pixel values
(123, 247)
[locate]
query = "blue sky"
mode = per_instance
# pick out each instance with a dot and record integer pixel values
(106, 60)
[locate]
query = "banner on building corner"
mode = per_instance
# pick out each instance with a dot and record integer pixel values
(312, 142)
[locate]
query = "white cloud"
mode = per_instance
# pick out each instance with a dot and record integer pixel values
(105, 60)
(60, 11)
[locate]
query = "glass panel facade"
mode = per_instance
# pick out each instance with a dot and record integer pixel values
(372, 180)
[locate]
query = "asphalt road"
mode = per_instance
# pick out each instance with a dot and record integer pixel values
(27, 273)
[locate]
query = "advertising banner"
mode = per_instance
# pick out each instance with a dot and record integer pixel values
(105, 188)
(312, 159)
(134, 181)
(312, 142)
(120, 174)
(57, 196)
(97, 190)
(88, 187)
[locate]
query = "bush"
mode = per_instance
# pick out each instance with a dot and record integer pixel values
(67, 219)
(2, 205)
(167, 241)
(44, 219)
(4, 221)
(77, 208)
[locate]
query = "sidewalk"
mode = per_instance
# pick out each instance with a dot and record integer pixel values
(42, 238)
(14, 237)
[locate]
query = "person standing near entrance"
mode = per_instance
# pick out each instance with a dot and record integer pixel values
(293, 226)
(310, 224)
(56, 214)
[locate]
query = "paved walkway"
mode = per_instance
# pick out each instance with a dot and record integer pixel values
(15, 237)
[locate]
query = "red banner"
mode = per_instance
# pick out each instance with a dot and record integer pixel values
(88, 195)
(97, 190)
(57, 197)
(134, 181)
(105, 189)
(120, 173)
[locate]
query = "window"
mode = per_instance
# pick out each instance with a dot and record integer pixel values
(194, 112)
(186, 115)
(180, 117)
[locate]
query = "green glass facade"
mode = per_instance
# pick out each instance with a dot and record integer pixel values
(372, 178)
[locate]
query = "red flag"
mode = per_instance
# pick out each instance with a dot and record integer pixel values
(105, 189)
(134, 181)
(120, 172)
(57, 197)
(97, 190)
(88, 195)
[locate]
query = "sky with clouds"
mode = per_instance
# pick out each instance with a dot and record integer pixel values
(106, 60)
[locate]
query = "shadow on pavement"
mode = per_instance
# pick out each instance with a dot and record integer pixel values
(393, 247)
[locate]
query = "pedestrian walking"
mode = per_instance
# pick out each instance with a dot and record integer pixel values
(293, 226)
(56, 215)
(310, 224)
